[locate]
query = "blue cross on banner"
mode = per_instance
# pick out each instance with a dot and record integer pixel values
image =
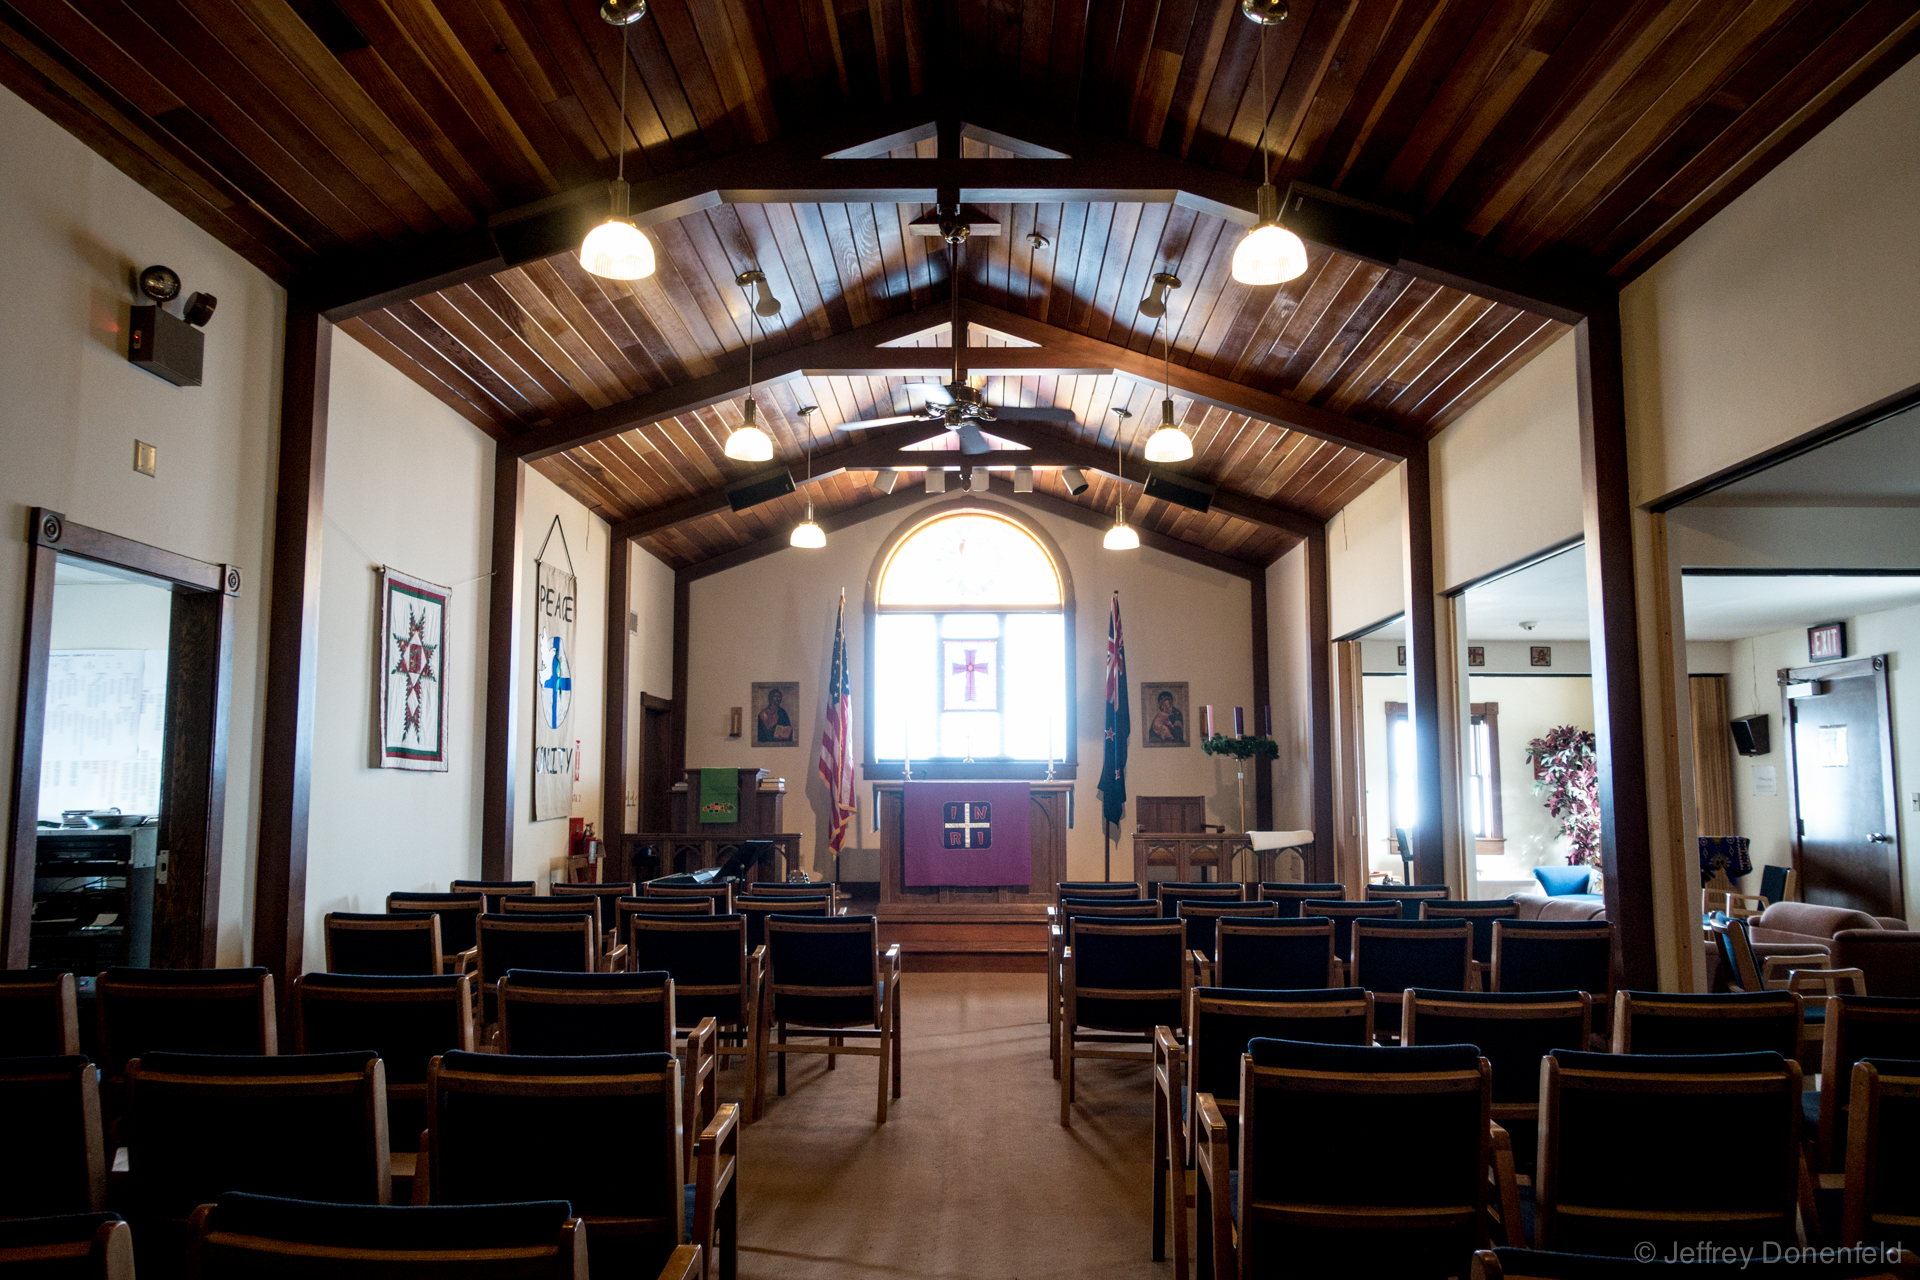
(967, 825)
(558, 682)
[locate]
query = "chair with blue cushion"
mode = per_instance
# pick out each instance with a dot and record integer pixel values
(56, 1160)
(1409, 896)
(252, 1237)
(565, 943)
(1338, 1143)
(1202, 919)
(1553, 955)
(1121, 979)
(1171, 893)
(310, 1126)
(1565, 881)
(1621, 1146)
(1112, 908)
(399, 942)
(1391, 956)
(1289, 895)
(1343, 914)
(459, 919)
(39, 1014)
(721, 895)
(1776, 883)
(1724, 1022)
(179, 1011)
(1882, 1198)
(1096, 889)
(1276, 955)
(68, 1246)
(1480, 913)
(714, 977)
(1206, 1059)
(828, 979)
(1856, 1027)
(495, 891)
(757, 907)
(517, 1127)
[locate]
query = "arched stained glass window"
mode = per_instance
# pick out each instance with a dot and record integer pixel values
(970, 648)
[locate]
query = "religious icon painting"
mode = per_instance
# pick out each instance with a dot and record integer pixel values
(410, 679)
(1165, 708)
(776, 712)
(966, 824)
(970, 675)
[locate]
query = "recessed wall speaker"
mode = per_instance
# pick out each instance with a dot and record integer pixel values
(1354, 227)
(1750, 737)
(755, 492)
(1182, 491)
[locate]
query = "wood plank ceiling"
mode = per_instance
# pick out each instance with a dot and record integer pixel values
(1587, 133)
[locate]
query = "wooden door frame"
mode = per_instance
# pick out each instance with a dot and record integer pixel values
(1875, 669)
(194, 761)
(1349, 762)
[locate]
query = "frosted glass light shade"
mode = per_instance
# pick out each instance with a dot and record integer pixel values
(1121, 537)
(1269, 254)
(618, 250)
(749, 444)
(808, 535)
(1169, 444)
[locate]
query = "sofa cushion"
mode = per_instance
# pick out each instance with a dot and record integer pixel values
(1806, 920)
(1559, 881)
(1569, 906)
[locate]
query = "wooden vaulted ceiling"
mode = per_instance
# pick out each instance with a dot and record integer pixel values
(1588, 135)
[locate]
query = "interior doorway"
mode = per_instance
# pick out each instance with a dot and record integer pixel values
(656, 763)
(1845, 810)
(125, 677)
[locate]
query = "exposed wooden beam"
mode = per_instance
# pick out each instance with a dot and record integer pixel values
(498, 787)
(293, 650)
(845, 518)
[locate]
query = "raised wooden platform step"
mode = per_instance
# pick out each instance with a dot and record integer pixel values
(968, 940)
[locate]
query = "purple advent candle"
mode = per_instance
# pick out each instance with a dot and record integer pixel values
(1239, 722)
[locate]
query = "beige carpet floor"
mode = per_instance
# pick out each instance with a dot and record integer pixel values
(972, 1175)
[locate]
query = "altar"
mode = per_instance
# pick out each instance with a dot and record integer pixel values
(962, 926)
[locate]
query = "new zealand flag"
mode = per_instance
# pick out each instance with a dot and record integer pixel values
(1113, 759)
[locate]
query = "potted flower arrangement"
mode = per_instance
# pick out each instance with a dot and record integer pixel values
(1566, 772)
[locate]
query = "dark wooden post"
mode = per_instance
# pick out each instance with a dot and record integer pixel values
(23, 837)
(1320, 706)
(1626, 854)
(682, 629)
(293, 641)
(613, 773)
(1262, 697)
(503, 667)
(1423, 664)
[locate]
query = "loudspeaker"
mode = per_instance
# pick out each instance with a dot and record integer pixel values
(166, 346)
(1750, 735)
(1354, 227)
(756, 492)
(1182, 491)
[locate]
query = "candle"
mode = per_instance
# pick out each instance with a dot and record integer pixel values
(1239, 722)
(1207, 720)
(1266, 714)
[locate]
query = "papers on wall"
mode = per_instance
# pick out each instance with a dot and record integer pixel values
(106, 720)
(1765, 783)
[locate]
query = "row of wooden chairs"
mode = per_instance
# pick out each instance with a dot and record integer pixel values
(1289, 894)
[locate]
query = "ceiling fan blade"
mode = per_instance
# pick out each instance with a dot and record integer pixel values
(864, 424)
(972, 443)
(1035, 415)
(935, 392)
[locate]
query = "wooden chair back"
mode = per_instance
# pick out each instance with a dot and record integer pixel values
(1277, 955)
(1857, 1027)
(1171, 893)
(626, 908)
(824, 972)
(559, 904)
(506, 1128)
(1889, 959)
(606, 896)
(1728, 1022)
(1409, 896)
(74, 1246)
(1289, 895)
(1223, 1021)
(707, 957)
(180, 1011)
(1736, 953)
(51, 1110)
(1202, 914)
(558, 943)
(566, 1014)
(306, 1126)
(1171, 815)
(793, 889)
(756, 909)
(1480, 913)
(1881, 1203)
(1553, 955)
(408, 1021)
(1125, 974)
(1343, 914)
(39, 1014)
(1620, 1151)
(395, 943)
(1345, 1105)
(248, 1237)
(1112, 908)
(1391, 956)
(459, 916)
(494, 890)
(1086, 889)
(721, 894)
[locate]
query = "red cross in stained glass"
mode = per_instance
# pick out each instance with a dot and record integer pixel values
(970, 668)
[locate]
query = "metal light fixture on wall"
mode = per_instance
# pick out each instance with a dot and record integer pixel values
(806, 534)
(1268, 254)
(617, 249)
(1122, 536)
(749, 442)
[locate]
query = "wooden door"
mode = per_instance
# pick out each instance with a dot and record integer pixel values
(1845, 805)
(656, 764)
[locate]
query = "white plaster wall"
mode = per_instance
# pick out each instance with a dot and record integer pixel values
(76, 231)
(649, 657)
(1366, 563)
(375, 831)
(1506, 474)
(1289, 684)
(1795, 537)
(772, 619)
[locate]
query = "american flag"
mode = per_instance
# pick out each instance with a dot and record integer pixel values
(836, 740)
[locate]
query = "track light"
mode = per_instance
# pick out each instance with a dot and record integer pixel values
(885, 479)
(1075, 480)
(936, 480)
(748, 442)
(1154, 305)
(767, 304)
(1268, 254)
(978, 480)
(1023, 479)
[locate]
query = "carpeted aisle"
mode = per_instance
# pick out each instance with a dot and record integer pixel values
(972, 1175)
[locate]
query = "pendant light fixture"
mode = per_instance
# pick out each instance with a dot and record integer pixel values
(1122, 536)
(1169, 443)
(807, 534)
(1268, 254)
(616, 249)
(749, 442)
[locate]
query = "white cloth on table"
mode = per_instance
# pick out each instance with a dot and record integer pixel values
(1265, 840)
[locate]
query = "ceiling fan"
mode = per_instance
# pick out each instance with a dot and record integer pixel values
(958, 405)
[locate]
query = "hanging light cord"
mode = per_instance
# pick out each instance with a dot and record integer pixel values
(620, 133)
(1265, 177)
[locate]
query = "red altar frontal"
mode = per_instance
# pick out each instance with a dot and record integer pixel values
(971, 908)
